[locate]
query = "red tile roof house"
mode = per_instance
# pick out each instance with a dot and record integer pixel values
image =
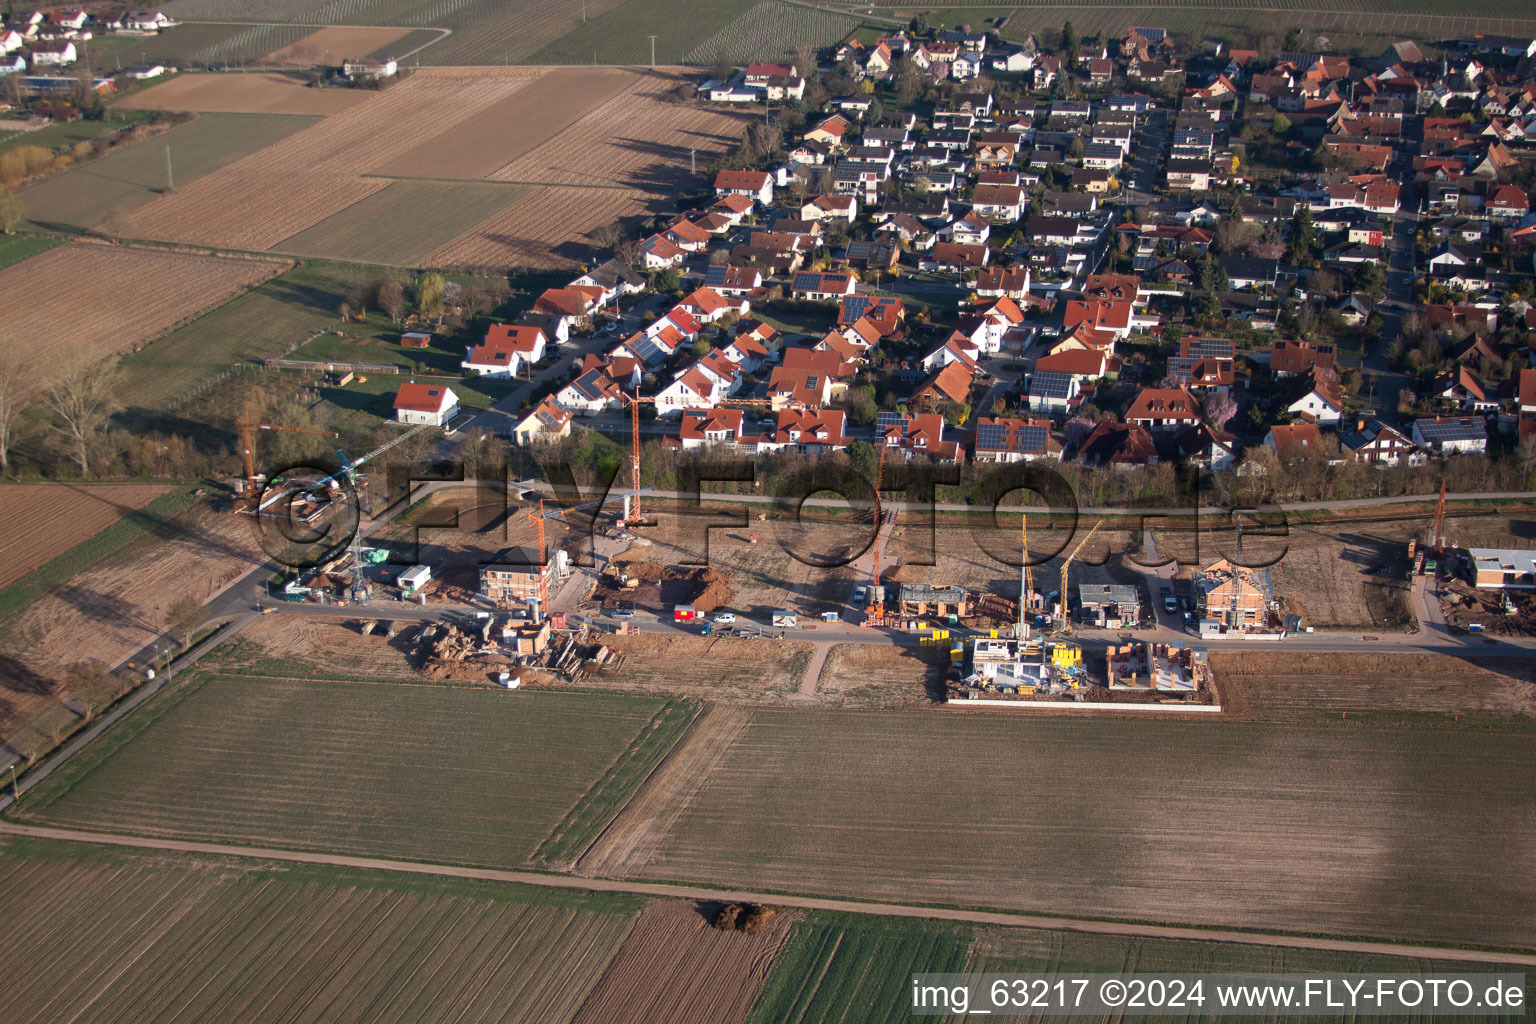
(1508, 202)
(1288, 357)
(589, 394)
(691, 389)
(950, 384)
(1085, 364)
(1164, 410)
(755, 185)
(548, 419)
(1120, 445)
(922, 434)
(811, 431)
(708, 305)
(574, 305)
(1299, 439)
(433, 404)
(701, 428)
(1114, 317)
(508, 350)
(997, 282)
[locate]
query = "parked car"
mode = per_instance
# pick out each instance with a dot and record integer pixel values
(860, 595)
(724, 619)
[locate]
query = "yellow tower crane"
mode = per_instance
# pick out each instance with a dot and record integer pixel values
(1026, 578)
(1064, 623)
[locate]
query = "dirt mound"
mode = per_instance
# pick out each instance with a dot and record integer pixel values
(749, 918)
(648, 571)
(714, 590)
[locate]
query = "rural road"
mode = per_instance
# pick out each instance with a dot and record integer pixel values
(694, 892)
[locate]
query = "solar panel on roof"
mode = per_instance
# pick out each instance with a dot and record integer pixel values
(1032, 437)
(885, 420)
(992, 435)
(806, 281)
(854, 305)
(1219, 348)
(714, 277)
(1051, 385)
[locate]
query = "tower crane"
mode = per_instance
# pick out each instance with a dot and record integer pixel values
(1026, 578)
(1437, 538)
(247, 446)
(876, 592)
(1065, 622)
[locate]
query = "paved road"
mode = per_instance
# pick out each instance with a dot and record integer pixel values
(704, 893)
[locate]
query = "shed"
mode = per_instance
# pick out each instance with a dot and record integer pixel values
(415, 339)
(415, 578)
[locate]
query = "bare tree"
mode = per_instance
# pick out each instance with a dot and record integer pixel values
(183, 617)
(83, 398)
(391, 300)
(15, 388)
(606, 236)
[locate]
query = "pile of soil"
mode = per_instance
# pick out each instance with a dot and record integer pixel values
(714, 591)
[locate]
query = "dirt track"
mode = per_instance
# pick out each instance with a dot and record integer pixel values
(691, 892)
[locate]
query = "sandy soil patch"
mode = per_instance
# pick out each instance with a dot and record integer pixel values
(253, 93)
(335, 44)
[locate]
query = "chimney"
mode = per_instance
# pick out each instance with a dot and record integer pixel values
(1360, 426)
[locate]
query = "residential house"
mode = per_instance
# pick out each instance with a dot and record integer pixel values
(1374, 443)
(885, 313)
(822, 287)
(1164, 410)
(918, 435)
(1232, 598)
(1053, 392)
(1290, 442)
(1113, 318)
(719, 428)
(1012, 439)
(574, 305)
(1204, 446)
(1118, 445)
(1320, 400)
(1465, 389)
(955, 257)
(691, 389)
(733, 281)
(1288, 357)
(949, 385)
(811, 431)
(754, 185)
(589, 394)
(1451, 435)
(432, 404)
(548, 420)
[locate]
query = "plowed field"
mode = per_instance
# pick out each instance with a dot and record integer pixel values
(547, 229)
(334, 45)
(39, 522)
(1400, 833)
(113, 300)
(675, 967)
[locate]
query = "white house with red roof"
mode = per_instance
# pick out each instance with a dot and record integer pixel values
(921, 435)
(708, 305)
(754, 185)
(810, 431)
(508, 350)
(749, 348)
(728, 428)
(589, 394)
(1164, 409)
(548, 420)
(432, 404)
(1113, 317)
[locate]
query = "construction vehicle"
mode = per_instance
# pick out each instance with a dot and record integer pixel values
(1064, 621)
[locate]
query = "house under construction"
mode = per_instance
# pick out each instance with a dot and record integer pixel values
(1160, 667)
(997, 666)
(1232, 599)
(509, 582)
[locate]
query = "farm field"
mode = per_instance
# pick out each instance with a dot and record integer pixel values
(839, 968)
(334, 45)
(717, 668)
(55, 136)
(674, 968)
(770, 30)
(40, 522)
(1416, 689)
(548, 229)
(404, 223)
(1366, 24)
(254, 93)
(525, 779)
(1022, 950)
(282, 645)
(108, 189)
(459, 126)
(134, 935)
(541, 107)
(115, 299)
(263, 322)
(16, 248)
(1409, 834)
(202, 44)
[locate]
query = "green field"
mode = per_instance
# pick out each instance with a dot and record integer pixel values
(58, 136)
(403, 224)
(418, 772)
(15, 248)
(840, 968)
(131, 176)
(376, 395)
(261, 323)
(101, 934)
(1400, 833)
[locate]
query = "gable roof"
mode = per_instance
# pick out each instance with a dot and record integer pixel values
(951, 381)
(416, 397)
(1163, 404)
